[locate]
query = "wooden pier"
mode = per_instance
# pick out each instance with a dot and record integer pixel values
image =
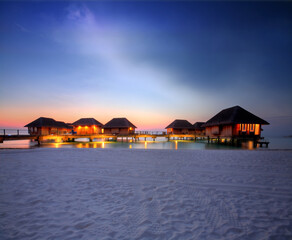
(134, 137)
(137, 136)
(237, 141)
(261, 143)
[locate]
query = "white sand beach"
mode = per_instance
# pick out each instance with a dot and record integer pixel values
(145, 194)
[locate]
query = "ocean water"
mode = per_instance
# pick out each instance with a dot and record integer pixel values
(275, 143)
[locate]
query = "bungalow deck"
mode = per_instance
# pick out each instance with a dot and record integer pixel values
(124, 137)
(137, 136)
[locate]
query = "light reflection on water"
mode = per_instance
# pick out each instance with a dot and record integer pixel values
(175, 145)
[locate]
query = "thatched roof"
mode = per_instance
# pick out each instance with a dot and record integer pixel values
(198, 126)
(63, 125)
(181, 124)
(119, 123)
(234, 115)
(47, 122)
(87, 122)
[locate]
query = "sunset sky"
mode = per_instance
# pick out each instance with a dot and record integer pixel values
(151, 62)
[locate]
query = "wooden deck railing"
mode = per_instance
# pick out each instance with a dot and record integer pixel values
(13, 132)
(18, 132)
(162, 133)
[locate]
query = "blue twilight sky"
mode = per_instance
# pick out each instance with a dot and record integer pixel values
(151, 61)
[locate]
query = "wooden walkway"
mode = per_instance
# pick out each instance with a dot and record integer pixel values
(137, 136)
(123, 137)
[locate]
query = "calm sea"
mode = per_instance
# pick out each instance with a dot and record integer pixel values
(275, 143)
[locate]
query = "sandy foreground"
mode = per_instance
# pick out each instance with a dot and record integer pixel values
(145, 194)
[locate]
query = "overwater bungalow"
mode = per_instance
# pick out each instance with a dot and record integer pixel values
(119, 126)
(180, 127)
(234, 122)
(199, 130)
(85, 126)
(47, 126)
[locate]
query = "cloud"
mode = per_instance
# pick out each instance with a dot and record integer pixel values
(106, 44)
(21, 28)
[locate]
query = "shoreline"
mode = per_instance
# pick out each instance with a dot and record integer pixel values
(150, 149)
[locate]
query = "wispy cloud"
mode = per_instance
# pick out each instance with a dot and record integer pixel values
(106, 43)
(21, 28)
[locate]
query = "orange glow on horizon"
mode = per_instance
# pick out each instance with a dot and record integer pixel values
(13, 117)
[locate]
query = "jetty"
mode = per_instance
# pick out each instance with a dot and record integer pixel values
(16, 134)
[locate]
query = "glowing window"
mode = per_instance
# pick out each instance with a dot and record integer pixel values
(257, 129)
(251, 128)
(243, 127)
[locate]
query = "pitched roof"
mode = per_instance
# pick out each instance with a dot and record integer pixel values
(87, 122)
(234, 115)
(47, 122)
(63, 125)
(178, 123)
(198, 126)
(119, 123)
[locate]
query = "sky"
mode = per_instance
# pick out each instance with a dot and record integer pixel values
(151, 62)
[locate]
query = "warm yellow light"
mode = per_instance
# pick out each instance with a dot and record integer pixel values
(250, 145)
(257, 129)
(130, 146)
(175, 145)
(86, 126)
(79, 126)
(57, 145)
(102, 145)
(131, 128)
(102, 130)
(145, 145)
